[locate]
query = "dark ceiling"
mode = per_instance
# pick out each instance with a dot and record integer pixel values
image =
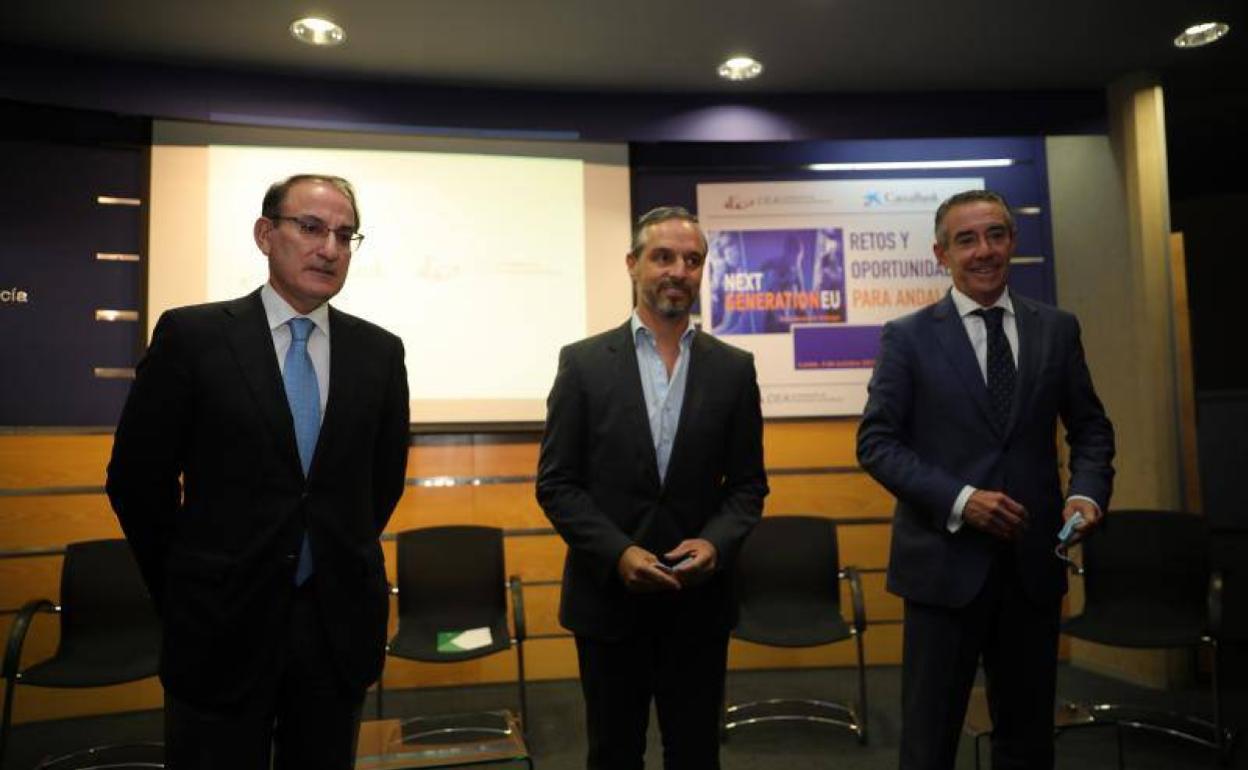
(646, 45)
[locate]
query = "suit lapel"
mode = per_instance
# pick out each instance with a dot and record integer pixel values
(699, 352)
(346, 355)
(627, 384)
(951, 334)
(1026, 322)
(251, 341)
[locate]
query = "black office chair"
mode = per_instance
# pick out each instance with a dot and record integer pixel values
(109, 630)
(1148, 584)
(450, 581)
(788, 584)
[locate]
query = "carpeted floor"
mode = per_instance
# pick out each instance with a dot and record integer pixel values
(557, 733)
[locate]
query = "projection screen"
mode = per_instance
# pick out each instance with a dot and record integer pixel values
(485, 256)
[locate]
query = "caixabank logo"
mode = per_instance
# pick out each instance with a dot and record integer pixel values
(874, 198)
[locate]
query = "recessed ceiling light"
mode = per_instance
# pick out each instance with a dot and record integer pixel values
(1201, 34)
(740, 68)
(315, 31)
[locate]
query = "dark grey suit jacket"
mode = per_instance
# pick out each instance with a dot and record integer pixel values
(927, 431)
(206, 480)
(598, 479)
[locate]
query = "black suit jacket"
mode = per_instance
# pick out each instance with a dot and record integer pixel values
(598, 479)
(206, 480)
(927, 431)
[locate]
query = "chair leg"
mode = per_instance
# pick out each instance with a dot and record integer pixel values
(524, 696)
(1224, 737)
(6, 720)
(380, 694)
(9, 686)
(862, 691)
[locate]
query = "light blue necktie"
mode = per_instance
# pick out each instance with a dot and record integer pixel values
(304, 395)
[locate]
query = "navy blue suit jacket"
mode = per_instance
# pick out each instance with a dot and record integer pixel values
(927, 431)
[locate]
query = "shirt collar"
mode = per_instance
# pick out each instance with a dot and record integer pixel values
(966, 305)
(278, 311)
(639, 327)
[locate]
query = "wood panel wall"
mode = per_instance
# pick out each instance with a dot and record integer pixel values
(51, 493)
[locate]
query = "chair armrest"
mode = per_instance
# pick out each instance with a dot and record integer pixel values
(855, 595)
(17, 635)
(517, 607)
(1214, 600)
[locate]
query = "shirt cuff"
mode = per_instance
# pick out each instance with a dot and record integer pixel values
(955, 516)
(1095, 504)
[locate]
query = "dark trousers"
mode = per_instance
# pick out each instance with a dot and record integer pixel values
(299, 717)
(684, 676)
(1016, 639)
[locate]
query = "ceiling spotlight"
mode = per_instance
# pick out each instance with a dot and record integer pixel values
(1201, 34)
(314, 31)
(740, 68)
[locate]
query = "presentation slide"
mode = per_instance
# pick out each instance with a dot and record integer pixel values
(484, 256)
(804, 275)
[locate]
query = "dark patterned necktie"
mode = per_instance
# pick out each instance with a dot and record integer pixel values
(1001, 372)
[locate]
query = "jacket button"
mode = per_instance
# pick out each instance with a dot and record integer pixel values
(292, 556)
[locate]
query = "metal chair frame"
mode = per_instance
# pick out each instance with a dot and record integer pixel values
(1209, 734)
(852, 717)
(11, 670)
(12, 659)
(102, 761)
(1069, 716)
(475, 747)
(516, 641)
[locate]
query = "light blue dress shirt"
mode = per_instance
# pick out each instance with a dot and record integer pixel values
(664, 396)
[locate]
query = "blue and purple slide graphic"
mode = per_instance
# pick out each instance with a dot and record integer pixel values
(769, 281)
(835, 347)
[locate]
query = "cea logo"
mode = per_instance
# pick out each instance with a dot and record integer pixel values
(14, 296)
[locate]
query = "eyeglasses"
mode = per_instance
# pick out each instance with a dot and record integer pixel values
(311, 227)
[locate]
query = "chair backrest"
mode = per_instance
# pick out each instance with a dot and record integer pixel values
(104, 601)
(790, 562)
(451, 577)
(1161, 557)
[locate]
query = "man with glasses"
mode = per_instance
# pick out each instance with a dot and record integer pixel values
(260, 453)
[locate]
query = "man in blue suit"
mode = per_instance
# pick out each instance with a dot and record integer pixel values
(960, 426)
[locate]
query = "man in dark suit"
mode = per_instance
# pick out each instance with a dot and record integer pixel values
(651, 469)
(255, 522)
(960, 426)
